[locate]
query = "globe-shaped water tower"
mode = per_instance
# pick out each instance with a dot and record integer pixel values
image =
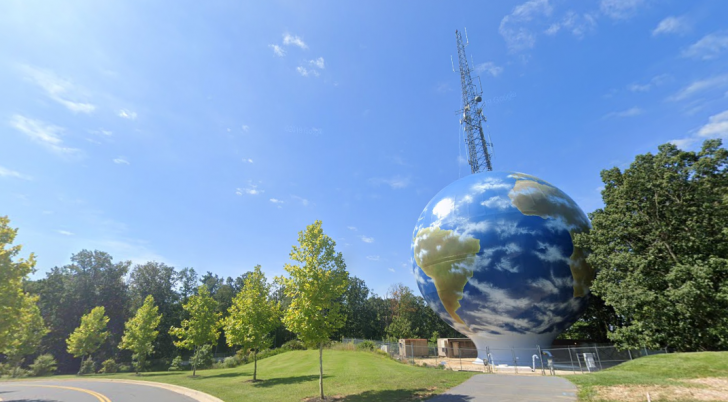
(493, 255)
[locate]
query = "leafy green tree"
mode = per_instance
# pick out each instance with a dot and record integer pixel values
(159, 281)
(253, 315)
(315, 288)
(12, 273)
(28, 334)
(203, 326)
(660, 246)
(141, 331)
(89, 336)
(68, 292)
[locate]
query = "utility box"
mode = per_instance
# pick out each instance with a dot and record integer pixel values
(456, 347)
(413, 348)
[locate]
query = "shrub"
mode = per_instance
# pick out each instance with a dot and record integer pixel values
(176, 364)
(109, 366)
(43, 365)
(18, 372)
(367, 345)
(88, 366)
(230, 362)
(124, 368)
(203, 357)
(293, 344)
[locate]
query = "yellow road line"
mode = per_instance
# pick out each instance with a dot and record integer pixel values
(100, 397)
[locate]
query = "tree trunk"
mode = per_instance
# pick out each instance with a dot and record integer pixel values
(255, 364)
(194, 362)
(321, 369)
(81, 368)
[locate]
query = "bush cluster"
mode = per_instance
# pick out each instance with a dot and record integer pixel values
(109, 366)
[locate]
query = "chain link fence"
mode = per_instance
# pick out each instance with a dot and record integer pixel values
(543, 361)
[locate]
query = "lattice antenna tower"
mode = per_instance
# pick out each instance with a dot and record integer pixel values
(472, 117)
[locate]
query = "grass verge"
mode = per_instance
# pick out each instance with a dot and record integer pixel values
(699, 376)
(351, 376)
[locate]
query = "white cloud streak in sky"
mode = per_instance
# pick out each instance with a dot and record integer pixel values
(671, 25)
(127, 114)
(58, 89)
(700, 86)
(5, 172)
(279, 51)
(294, 40)
(46, 135)
(366, 239)
(121, 161)
(708, 47)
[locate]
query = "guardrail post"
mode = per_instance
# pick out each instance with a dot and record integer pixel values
(599, 360)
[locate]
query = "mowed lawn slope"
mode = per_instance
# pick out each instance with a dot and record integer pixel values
(669, 377)
(292, 376)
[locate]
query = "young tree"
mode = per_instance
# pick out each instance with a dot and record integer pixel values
(315, 289)
(89, 336)
(27, 336)
(203, 326)
(660, 245)
(253, 315)
(12, 274)
(141, 331)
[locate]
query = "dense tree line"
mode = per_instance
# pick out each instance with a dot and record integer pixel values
(94, 279)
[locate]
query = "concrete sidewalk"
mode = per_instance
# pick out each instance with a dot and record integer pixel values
(510, 388)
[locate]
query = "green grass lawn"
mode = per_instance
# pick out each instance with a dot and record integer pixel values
(658, 370)
(292, 376)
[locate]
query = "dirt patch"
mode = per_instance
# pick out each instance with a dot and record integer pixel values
(699, 389)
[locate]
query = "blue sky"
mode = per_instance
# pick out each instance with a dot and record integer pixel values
(208, 134)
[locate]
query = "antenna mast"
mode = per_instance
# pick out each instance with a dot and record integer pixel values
(472, 117)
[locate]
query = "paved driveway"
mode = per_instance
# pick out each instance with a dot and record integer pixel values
(510, 388)
(86, 391)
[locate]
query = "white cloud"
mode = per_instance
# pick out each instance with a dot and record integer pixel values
(654, 82)
(489, 184)
(289, 39)
(497, 202)
(245, 128)
(65, 232)
(708, 47)
(318, 63)
(252, 189)
(635, 111)
(277, 201)
(717, 126)
(577, 24)
(302, 200)
(390, 269)
(247, 160)
(671, 25)
(512, 28)
(699, 86)
(683, 143)
(58, 89)
(620, 9)
(489, 67)
(443, 208)
(279, 51)
(5, 172)
(121, 161)
(127, 114)
(395, 182)
(43, 134)
(352, 228)
(373, 257)
(306, 72)
(366, 239)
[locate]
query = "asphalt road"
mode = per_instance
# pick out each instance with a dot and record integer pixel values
(85, 391)
(510, 388)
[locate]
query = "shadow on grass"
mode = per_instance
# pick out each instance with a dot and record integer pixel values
(161, 374)
(272, 382)
(229, 375)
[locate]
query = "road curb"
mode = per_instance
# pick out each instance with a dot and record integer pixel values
(194, 394)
